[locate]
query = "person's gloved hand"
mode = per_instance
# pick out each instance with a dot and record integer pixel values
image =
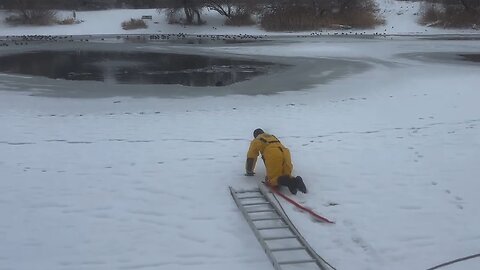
(249, 174)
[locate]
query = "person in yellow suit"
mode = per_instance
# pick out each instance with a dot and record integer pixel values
(277, 160)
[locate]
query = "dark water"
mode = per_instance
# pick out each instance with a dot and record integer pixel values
(443, 57)
(471, 57)
(452, 37)
(134, 67)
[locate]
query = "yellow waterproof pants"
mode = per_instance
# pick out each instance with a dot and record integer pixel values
(278, 162)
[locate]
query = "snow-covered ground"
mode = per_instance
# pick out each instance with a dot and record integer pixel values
(400, 19)
(142, 182)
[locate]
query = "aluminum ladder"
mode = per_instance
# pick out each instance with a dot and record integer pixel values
(281, 241)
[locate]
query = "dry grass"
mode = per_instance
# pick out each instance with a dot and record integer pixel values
(300, 18)
(448, 16)
(292, 19)
(68, 21)
(430, 14)
(134, 24)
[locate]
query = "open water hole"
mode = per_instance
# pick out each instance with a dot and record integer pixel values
(471, 57)
(134, 67)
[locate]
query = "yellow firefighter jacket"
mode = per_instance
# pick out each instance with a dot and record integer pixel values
(276, 157)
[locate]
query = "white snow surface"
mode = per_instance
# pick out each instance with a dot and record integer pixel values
(142, 183)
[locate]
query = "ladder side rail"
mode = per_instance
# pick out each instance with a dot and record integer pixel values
(259, 237)
(308, 248)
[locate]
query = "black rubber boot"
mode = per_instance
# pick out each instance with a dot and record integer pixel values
(300, 185)
(289, 182)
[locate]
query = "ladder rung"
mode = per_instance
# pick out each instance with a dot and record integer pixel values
(250, 197)
(273, 228)
(275, 220)
(278, 237)
(286, 249)
(260, 211)
(247, 191)
(298, 261)
(270, 218)
(258, 203)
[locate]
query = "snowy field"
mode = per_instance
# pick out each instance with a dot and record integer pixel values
(389, 151)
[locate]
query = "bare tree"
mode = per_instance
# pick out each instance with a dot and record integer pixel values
(190, 8)
(471, 5)
(451, 13)
(223, 7)
(230, 8)
(32, 12)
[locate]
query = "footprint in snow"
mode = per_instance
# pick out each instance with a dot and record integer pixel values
(360, 242)
(55, 140)
(18, 143)
(331, 204)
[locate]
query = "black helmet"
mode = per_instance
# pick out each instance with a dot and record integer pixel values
(257, 132)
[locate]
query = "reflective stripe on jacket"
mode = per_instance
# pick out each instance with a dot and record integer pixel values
(262, 142)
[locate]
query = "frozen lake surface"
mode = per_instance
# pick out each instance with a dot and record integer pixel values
(163, 68)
